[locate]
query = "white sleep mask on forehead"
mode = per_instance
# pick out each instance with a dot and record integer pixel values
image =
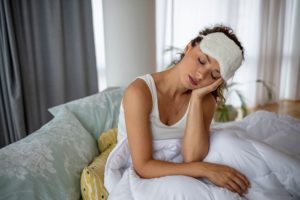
(224, 50)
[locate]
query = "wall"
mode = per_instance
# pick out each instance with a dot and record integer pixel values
(129, 34)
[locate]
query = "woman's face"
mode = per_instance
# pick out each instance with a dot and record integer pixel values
(198, 69)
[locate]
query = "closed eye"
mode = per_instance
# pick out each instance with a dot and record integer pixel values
(202, 63)
(215, 75)
(215, 78)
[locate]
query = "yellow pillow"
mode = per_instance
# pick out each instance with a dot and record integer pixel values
(107, 138)
(92, 176)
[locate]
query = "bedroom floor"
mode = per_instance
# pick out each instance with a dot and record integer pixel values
(286, 107)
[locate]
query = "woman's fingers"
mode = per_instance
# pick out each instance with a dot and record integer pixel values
(201, 92)
(242, 185)
(234, 187)
(230, 178)
(241, 182)
(213, 86)
(216, 84)
(244, 178)
(228, 187)
(238, 182)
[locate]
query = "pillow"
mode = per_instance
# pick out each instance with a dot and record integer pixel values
(47, 163)
(92, 176)
(98, 112)
(107, 139)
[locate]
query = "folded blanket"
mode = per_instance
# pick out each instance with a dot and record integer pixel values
(264, 146)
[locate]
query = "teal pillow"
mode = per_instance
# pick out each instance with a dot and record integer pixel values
(97, 113)
(47, 164)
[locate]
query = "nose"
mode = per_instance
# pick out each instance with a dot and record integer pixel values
(202, 73)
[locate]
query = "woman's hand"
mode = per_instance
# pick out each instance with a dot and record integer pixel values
(227, 177)
(201, 92)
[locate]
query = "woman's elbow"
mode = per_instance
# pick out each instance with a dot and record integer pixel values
(195, 156)
(142, 170)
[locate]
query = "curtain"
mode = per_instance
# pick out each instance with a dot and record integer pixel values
(272, 14)
(268, 30)
(290, 78)
(11, 101)
(47, 58)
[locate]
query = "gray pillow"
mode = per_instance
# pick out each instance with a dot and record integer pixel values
(98, 112)
(47, 164)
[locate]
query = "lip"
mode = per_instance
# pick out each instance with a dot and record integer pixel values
(192, 81)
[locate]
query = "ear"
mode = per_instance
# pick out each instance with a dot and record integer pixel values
(188, 47)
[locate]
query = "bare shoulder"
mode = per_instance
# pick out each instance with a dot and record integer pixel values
(138, 93)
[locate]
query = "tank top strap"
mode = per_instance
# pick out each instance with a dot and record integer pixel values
(151, 84)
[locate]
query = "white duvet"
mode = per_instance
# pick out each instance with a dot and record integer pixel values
(263, 146)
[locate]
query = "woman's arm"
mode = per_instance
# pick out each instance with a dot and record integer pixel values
(137, 108)
(195, 143)
(196, 136)
(137, 104)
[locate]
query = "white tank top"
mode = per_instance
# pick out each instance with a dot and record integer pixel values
(158, 129)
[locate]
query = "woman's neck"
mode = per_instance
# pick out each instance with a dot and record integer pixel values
(168, 83)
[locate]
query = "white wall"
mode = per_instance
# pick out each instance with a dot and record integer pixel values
(129, 32)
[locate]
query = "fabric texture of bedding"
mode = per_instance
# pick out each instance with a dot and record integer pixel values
(264, 146)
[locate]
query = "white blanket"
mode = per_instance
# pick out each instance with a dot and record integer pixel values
(264, 146)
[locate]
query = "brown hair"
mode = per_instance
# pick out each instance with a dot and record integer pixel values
(218, 93)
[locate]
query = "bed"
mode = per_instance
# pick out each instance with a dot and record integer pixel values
(264, 146)
(36, 168)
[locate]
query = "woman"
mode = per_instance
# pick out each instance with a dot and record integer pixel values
(180, 103)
